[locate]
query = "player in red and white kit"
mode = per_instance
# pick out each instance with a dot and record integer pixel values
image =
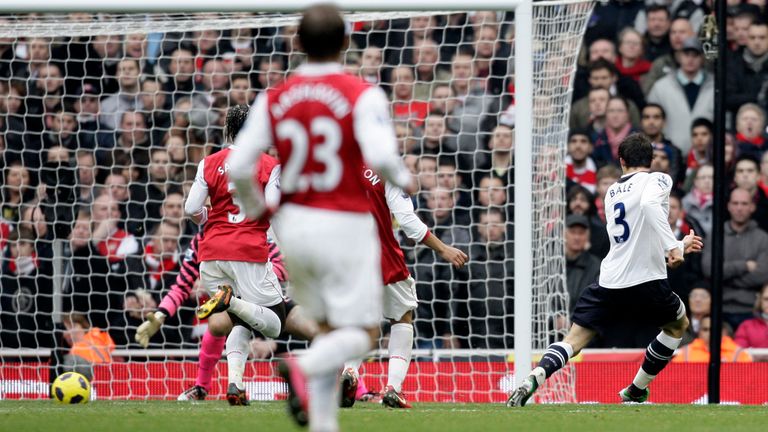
(324, 124)
(234, 259)
(400, 298)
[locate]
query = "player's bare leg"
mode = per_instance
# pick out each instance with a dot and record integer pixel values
(554, 359)
(657, 356)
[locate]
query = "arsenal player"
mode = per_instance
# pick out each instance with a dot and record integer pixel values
(234, 257)
(324, 124)
(400, 300)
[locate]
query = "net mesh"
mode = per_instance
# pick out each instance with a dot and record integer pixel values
(104, 119)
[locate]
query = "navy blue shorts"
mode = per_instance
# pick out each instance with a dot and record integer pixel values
(651, 303)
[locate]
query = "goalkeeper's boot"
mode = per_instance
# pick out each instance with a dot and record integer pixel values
(298, 403)
(628, 397)
(218, 303)
(194, 393)
(520, 396)
(236, 397)
(394, 399)
(348, 386)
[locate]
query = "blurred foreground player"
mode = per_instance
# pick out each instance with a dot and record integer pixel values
(633, 277)
(325, 124)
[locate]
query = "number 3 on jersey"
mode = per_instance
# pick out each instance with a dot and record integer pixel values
(325, 152)
(619, 220)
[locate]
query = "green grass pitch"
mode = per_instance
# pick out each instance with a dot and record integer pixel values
(29, 416)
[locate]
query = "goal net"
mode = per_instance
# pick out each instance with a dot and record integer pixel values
(104, 118)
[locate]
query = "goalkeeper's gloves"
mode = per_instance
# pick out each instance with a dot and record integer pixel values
(148, 328)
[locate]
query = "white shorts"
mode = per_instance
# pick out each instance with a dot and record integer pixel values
(253, 282)
(400, 298)
(334, 259)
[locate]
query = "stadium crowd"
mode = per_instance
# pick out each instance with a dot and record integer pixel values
(101, 137)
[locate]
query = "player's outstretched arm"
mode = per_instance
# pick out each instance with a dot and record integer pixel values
(401, 206)
(180, 291)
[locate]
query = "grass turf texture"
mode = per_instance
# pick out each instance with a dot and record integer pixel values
(164, 416)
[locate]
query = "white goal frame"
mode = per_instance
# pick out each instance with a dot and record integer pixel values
(523, 62)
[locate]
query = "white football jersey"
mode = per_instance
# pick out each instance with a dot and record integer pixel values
(636, 212)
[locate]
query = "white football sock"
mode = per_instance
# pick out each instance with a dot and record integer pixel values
(324, 403)
(237, 354)
(354, 365)
(328, 352)
(661, 351)
(400, 348)
(258, 317)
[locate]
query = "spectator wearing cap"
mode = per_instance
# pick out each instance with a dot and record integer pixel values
(748, 70)
(581, 267)
(652, 123)
(680, 31)
(580, 168)
(662, 156)
(750, 130)
(685, 94)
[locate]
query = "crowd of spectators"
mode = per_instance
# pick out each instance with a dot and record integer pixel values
(101, 136)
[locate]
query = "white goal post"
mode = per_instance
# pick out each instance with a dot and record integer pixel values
(547, 40)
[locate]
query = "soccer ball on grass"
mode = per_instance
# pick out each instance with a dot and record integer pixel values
(71, 388)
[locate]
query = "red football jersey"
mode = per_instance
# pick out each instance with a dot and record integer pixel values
(312, 127)
(229, 236)
(393, 267)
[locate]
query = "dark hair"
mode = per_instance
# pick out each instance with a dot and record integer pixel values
(602, 63)
(656, 8)
(657, 106)
(703, 122)
(577, 190)
(750, 158)
(235, 118)
(581, 132)
(637, 151)
(322, 31)
(446, 161)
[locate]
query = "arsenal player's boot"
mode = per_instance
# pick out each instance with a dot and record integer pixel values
(218, 303)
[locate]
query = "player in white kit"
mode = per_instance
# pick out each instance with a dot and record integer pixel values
(633, 276)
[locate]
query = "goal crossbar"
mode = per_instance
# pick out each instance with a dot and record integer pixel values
(136, 6)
